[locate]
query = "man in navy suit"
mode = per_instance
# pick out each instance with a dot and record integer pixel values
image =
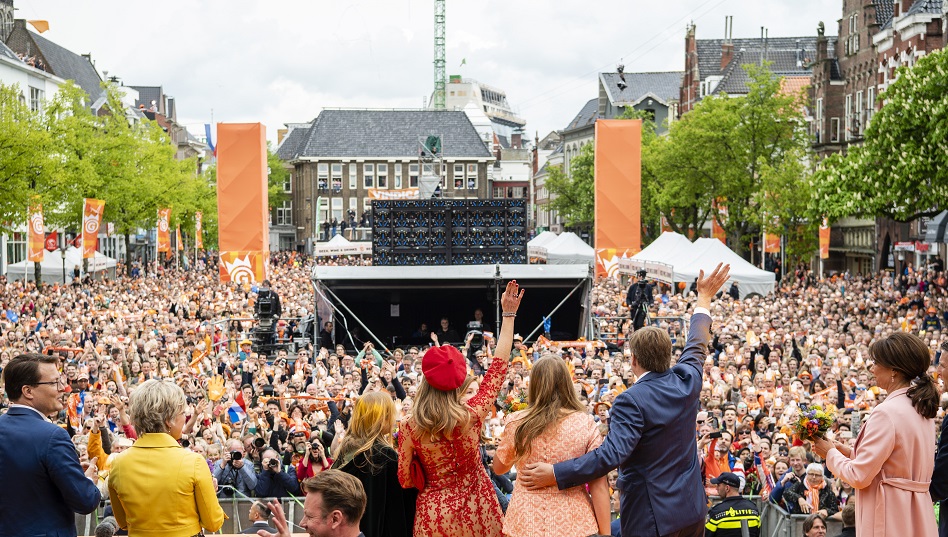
(652, 433)
(42, 481)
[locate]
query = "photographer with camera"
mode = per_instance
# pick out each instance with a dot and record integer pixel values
(272, 481)
(314, 459)
(234, 471)
(638, 299)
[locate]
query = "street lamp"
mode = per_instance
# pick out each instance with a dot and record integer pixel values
(62, 252)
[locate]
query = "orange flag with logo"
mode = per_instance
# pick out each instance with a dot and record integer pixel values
(177, 238)
(199, 229)
(91, 222)
(164, 231)
(37, 236)
(824, 239)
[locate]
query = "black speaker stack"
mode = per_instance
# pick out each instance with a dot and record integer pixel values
(449, 232)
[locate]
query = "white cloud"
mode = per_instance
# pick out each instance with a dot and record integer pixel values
(281, 61)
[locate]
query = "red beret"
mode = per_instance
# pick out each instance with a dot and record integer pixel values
(444, 368)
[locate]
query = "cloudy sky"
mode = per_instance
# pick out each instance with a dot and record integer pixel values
(281, 61)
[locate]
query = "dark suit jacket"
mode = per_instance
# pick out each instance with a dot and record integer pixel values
(652, 441)
(257, 526)
(43, 484)
(939, 486)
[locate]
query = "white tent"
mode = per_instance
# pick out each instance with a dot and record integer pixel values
(339, 245)
(536, 248)
(710, 252)
(569, 249)
(53, 263)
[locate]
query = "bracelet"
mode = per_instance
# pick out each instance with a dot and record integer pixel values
(508, 314)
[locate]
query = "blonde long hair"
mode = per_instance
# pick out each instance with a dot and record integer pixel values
(440, 414)
(372, 422)
(551, 397)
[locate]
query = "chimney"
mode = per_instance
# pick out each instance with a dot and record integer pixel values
(727, 47)
(516, 141)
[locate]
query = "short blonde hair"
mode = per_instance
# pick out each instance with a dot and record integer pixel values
(153, 404)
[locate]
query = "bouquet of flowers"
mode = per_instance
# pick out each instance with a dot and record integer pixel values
(515, 401)
(813, 421)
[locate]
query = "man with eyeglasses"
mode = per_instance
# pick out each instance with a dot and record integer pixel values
(36, 452)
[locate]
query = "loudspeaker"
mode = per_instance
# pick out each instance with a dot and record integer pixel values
(448, 232)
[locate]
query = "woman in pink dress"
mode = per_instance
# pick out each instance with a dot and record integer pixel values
(892, 462)
(554, 428)
(456, 497)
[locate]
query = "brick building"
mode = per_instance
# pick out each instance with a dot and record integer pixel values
(344, 159)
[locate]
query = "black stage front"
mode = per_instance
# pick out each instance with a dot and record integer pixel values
(425, 294)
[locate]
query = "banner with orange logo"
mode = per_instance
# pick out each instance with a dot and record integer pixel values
(771, 243)
(91, 222)
(243, 215)
(618, 192)
(198, 230)
(177, 238)
(243, 267)
(164, 230)
(37, 235)
(825, 239)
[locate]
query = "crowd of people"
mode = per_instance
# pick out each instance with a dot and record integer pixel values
(265, 424)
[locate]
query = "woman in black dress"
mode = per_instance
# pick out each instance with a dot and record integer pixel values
(368, 453)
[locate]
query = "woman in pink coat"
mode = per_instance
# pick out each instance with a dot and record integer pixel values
(891, 464)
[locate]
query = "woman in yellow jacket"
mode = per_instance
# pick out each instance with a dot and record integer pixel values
(156, 486)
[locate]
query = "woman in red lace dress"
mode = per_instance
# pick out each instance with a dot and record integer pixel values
(457, 498)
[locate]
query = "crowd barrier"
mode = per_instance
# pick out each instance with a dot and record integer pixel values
(603, 332)
(235, 508)
(774, 521)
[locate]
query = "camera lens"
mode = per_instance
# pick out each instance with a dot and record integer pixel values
(236, 455)
(272, 463)
(258, 443)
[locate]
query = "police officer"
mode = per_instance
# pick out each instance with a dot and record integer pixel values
(639, 298)
(728, 518)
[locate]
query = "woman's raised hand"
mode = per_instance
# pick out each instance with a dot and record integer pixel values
(510, 301)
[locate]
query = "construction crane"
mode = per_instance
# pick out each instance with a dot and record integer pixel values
(439, 76)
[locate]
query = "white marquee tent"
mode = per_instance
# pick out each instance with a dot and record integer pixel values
(536, 248)
(569, 249)
(339, 245)
(673, 258)
(52, 266)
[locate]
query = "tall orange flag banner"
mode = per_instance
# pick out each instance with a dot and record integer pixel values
(771, 243)
(37, 234)
(164, 230)
(825, 239)
(618, 192)
(243, 236)
(91, 223)
(177, 238)
(718, 211)
(198, 230)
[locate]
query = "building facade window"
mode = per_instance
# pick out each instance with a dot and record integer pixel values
(820, 129)
(322, 176)
(353, 177)
(16, 247)
(413, 176)
(36, 99)
(458, 176)
(472, 176)
(337, 176)
(858, 121)
(353, 210)
(285, 214)
(337, 209)
(398, 176)
(288, 183)
(870, 104)
(847, 115)
(382, 175)
(834, 129)
(368, 175)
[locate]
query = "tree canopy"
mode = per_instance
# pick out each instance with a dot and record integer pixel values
(901, 169)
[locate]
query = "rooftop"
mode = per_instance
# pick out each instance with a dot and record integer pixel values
(630, 88)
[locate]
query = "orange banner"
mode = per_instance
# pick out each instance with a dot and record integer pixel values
(400, 194)
(164, 230)
(771, 243)
(665, 225)
(198, 229)
(718, 212)
(243, 228)
(91, 222)
(37, 235)
(177, 238)
(618, 192)
(243, 267)
(825, 240)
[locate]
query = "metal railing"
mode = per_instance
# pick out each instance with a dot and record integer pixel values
(775, 522)
(603, 327)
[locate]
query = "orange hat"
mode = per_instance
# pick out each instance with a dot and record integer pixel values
(932, 310)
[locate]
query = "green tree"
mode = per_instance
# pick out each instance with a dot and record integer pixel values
(573, 196)
(901, 169)
(277, 175)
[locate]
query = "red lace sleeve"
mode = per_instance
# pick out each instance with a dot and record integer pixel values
(406, 449)
(486, 395)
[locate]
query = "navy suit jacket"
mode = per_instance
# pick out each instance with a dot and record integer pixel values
(42, 484)
(939, 486)
(652, 441)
